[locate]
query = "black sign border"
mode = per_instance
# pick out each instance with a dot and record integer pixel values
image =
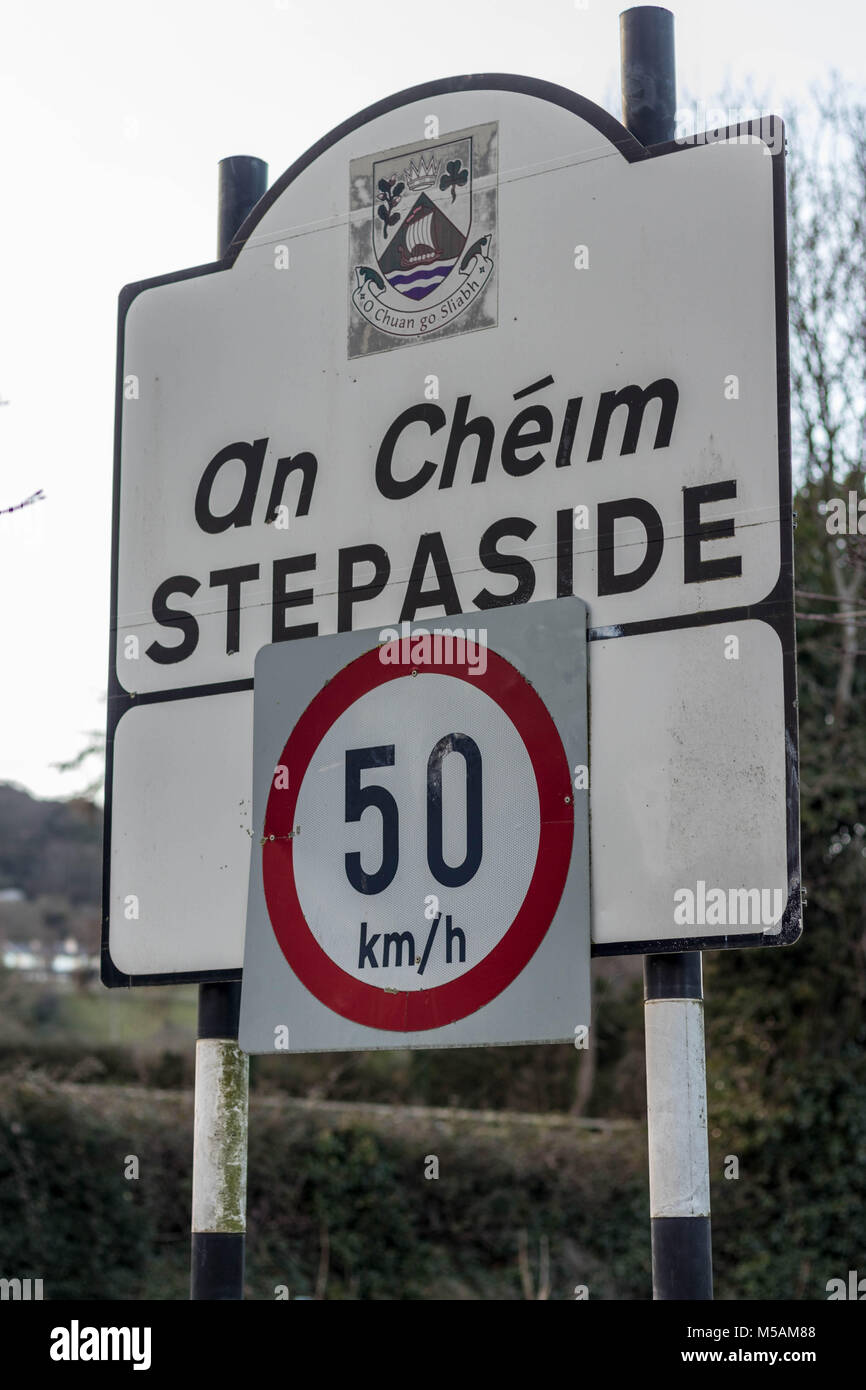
(777, 609)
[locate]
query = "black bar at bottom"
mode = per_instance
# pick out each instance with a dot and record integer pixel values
(682, 1258)
(219, 1007)
(677, 975)
(217, 1265)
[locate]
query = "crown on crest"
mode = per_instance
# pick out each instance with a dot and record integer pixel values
(422, 175)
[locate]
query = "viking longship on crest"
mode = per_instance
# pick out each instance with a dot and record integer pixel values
(419, 245)
(423, 250)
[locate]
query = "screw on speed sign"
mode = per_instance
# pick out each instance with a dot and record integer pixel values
(422, 873)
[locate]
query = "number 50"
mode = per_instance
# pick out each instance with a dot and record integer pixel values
(359, 798)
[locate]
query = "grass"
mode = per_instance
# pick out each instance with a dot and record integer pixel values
(162, 1017)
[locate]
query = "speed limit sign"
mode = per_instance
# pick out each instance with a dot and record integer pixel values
(420, 874)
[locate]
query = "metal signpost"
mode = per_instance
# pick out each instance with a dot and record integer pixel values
(221, 1105)
(676, 1069)
(482, 347)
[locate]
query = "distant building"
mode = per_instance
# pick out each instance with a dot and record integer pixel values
(36, 962)
(22, 958)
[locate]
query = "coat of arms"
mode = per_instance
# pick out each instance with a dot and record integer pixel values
(430, 215)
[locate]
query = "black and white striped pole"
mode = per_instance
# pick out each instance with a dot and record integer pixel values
(219, 1165)
(679, 1173)
(676, 1088)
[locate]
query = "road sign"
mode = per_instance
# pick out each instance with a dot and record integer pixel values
(421, 876)
(478, 348)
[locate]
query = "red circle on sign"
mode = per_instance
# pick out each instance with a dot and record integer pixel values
(416, 1010)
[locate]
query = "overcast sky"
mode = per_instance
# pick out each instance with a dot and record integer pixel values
(114, 116)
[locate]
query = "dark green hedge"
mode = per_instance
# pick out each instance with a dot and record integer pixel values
(334, 1200)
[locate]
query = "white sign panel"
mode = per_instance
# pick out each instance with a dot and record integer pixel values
(422, 875)
(480, 348)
